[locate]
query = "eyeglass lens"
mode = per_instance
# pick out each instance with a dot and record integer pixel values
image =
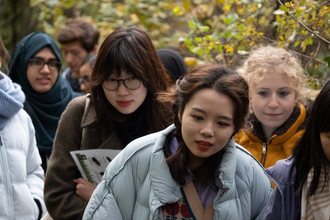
(39, 63)
(131, 83)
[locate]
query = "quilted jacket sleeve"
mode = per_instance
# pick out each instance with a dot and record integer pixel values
(261, 191)
(102, 204)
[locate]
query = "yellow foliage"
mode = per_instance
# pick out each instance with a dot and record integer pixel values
(304, 32)
(190, 61)
(121, 8)
(164, 28)
(288, 4)
(134, 18)
(227, 7)
(229, 49)
(177, 11)
(240, 9)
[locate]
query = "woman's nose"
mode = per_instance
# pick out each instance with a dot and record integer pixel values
(122, 90)
(207, 130)
(273, 102)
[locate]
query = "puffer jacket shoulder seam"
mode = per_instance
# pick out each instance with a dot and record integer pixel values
(131, 154)
(99, 204)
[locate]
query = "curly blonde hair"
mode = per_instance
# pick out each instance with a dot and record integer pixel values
(269, 59)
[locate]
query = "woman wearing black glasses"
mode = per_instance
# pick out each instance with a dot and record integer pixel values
(35, 65)
(121, 107)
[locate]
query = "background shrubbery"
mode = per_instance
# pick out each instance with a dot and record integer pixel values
(222, 31)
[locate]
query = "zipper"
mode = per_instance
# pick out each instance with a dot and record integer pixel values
(264, 153)
(6, 181)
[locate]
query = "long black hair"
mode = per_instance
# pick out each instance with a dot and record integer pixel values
(308, 152)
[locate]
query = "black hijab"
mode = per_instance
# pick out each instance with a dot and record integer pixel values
(46, 108)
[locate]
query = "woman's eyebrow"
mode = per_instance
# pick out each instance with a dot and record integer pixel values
(220, 116)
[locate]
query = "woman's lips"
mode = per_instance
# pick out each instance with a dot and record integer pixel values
(43, 80)
(203, 145)
(272, 114)
(124, 103)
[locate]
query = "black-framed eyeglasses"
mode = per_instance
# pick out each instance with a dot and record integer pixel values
(85, 79)
(130, 83)
(39, 63)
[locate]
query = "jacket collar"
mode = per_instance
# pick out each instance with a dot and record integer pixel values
(89, 116)
(167, 190)
(283, 172)
(282, 134)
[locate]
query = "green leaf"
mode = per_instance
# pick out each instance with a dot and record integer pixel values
(297, 43)
(302, 3)
(198, 39)
(204, 28)
(283, 8)
(226, 34)
(298, 13)
(309, 41)
(35, 2)
(196, 49)
(68, 3)
(327, 59)
(192, 24)
(241, 27)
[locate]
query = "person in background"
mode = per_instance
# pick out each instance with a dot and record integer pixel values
(21, 174)
(85, 72)
(78, 38)
(174, 65)
(192, 169)
(277, 120)
(302, 181)
(35, 66)
(122, 106)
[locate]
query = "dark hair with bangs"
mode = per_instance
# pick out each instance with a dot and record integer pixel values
(221, 80)
(130, 49)
(308, 152)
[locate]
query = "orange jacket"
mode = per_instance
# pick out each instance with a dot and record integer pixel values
(280, 145)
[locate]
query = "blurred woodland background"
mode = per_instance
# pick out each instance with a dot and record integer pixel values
(221, 31)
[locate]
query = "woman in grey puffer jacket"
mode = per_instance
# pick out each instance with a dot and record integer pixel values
(21, 174)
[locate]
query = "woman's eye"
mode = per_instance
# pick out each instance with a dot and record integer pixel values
(37, 62)
(223, 123)
(111, 80)
(262, 93)
(197, 117)
(283, 94)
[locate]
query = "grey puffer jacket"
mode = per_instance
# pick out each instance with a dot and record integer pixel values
(137, 183)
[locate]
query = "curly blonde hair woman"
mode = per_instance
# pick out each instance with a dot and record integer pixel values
(276, 121)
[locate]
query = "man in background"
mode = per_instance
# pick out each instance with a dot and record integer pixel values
(77, 39)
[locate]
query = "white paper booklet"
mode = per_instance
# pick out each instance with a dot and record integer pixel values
(92, 163)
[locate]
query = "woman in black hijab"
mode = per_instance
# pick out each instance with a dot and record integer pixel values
(35, 65)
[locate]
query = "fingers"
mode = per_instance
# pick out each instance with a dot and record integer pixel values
(80, 180)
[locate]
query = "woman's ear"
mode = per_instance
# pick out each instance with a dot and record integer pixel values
(180, 116)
